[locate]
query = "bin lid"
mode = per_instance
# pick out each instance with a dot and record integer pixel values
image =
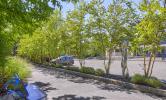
(35, 93)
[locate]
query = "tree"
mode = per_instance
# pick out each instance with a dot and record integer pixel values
(151, 29)
(22, 17)
(78, 42)
(18, 17)
(120, 25)
(43, 43)
(99, 35)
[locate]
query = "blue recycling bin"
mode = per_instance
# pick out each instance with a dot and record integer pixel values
(29, 91)
(34, 93)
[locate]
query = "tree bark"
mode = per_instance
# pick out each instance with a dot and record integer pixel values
(125, 72)
(154, 58)
(107, 67)
(82, 62)
(149, 65)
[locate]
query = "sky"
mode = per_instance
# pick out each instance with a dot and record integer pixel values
(70, 6)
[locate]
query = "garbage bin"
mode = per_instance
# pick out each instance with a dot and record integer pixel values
(35, 93)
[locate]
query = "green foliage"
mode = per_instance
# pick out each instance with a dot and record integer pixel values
(96, 27)
(137, 78)
(88, 70)
(99, 72)
(150, 32)
(78, 35)
(89, 29)
(44, 41)
(57, 65)
(22, 17)
(140, 79)
(154, 83)
(14, 65)
(19, 17)
(72, 68)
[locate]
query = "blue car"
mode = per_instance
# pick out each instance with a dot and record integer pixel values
(65, 60)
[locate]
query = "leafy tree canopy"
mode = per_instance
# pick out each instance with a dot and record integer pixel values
(22, 16)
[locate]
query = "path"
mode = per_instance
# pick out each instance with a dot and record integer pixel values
(60, 86)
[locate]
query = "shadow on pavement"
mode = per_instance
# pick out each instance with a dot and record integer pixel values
(44, 86)
(74, 97)
(73, 78)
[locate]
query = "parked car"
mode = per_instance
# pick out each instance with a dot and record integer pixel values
(65, 60)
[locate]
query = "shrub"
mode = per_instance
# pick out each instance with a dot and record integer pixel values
(140, 79)
(15, 65)
(87, 70)
(72, 68)
(99, 72)
(57, 65)
(154, 83)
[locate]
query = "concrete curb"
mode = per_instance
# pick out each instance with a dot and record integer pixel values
(146, 89)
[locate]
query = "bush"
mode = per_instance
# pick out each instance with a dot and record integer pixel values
(140, 79)
(154, 83)
(87, 70)
(57, 65)
(99, 72)
(72, 68)
(15, 65)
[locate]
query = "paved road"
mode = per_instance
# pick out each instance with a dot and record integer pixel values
(60, 86)
(135, 66)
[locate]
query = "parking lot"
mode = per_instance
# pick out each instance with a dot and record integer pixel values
(134, 65)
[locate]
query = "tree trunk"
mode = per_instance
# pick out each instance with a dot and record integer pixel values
(154, 58)
(82, 62)
(107, 67)
(144, 55)
(150, 63)
(125, 72)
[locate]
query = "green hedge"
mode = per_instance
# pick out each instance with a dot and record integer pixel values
(87, 70)
(72, 68)
(57, 65)
(99, 72)
(140, 79)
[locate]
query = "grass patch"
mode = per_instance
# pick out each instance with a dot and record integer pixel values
(99, 72)
(152, 82)
(87, 70)
(57, 65)
(15, 65)
(72, 68)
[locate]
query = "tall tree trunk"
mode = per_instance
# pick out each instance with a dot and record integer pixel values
(144, 55)
(154, 58)
(125, 72)
(150, 63)
(81, 64)
(107, 67)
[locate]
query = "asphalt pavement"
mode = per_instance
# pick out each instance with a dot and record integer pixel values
(134, 66)
(61, 86)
